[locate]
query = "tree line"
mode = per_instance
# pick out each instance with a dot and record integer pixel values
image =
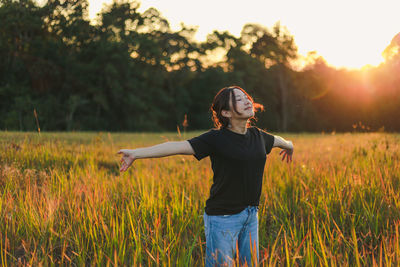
(129, 71)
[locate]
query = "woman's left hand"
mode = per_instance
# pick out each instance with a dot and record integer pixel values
(287, 153)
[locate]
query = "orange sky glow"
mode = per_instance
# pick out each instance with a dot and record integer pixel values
(349, 34)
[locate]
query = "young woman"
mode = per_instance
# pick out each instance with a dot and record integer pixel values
(238, 153)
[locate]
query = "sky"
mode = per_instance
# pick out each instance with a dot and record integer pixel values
(347, 33)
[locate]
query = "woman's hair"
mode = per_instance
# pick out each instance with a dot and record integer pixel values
(221, 102)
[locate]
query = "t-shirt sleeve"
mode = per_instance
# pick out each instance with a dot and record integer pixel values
(268, 141)
(203, 144)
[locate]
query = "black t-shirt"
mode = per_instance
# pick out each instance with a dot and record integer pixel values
(238, 162)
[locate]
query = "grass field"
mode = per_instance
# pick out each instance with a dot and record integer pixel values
(63, 201)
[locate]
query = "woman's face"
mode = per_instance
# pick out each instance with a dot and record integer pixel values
(244, 106)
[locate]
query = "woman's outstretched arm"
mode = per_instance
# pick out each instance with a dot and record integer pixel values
(157, 151)
(287, 147)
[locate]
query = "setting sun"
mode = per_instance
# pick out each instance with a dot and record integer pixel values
(348, 34)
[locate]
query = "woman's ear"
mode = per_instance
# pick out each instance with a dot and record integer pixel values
(226, 113)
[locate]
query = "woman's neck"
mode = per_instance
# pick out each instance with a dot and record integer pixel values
(239, 127)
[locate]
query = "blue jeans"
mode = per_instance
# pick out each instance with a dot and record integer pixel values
(232, 238)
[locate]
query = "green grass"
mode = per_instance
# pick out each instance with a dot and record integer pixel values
(63, 201)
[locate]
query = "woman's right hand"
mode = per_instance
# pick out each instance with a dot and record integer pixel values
(127, 159)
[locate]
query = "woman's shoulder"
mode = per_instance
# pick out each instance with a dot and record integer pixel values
(210, 133)
(213, 131)
(259, 131)
(255, 129)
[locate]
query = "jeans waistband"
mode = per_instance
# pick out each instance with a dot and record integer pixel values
(252, 208)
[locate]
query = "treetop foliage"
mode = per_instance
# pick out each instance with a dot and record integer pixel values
(129, 71)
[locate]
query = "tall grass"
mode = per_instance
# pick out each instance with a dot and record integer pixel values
(63, 201)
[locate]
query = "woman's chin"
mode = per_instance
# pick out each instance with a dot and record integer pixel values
(250, 114)
(246, 115)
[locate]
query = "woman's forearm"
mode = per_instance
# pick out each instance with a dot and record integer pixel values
(282, 143)
(163, 150)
